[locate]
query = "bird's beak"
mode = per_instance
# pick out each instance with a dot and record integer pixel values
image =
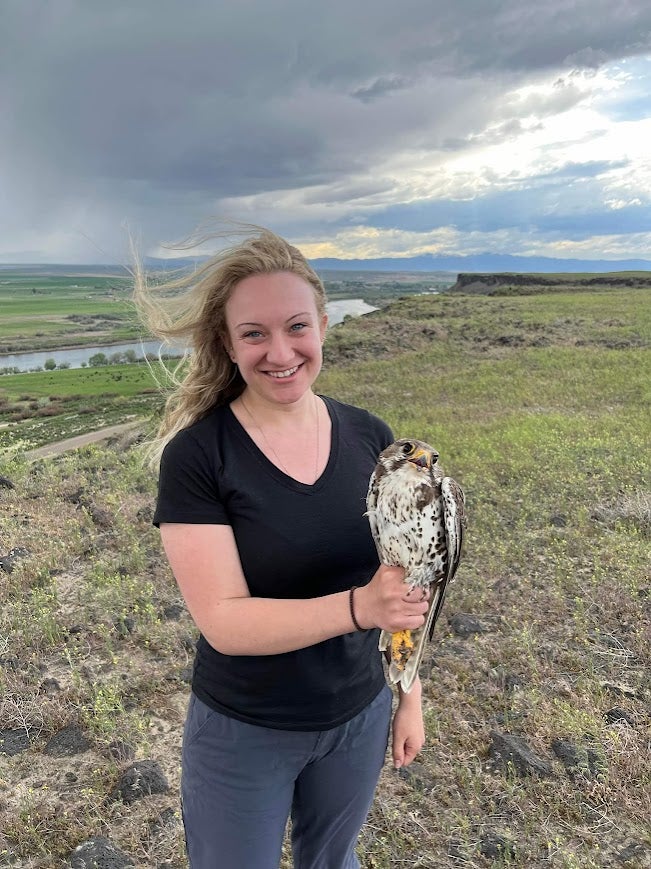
(422, 459)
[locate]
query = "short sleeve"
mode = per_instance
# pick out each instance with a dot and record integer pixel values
(187, 485)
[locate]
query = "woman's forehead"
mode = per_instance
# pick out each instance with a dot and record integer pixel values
(264, 296)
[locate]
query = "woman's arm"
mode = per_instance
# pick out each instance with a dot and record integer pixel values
(408, 732)
(207, 567)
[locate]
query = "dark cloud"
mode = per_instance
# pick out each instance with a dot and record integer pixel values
(156, 111)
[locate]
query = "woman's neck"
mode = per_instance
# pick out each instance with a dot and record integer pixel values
(277, 415)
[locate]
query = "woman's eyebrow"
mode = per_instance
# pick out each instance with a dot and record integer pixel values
(293, 317)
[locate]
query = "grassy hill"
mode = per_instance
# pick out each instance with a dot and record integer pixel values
(537, 683)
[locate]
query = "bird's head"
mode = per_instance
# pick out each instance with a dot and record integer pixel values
(409, 452)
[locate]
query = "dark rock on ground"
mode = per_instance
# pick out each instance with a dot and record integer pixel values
(464, 625)
(50, 686)
(417, 776)
(145, 514)
(494, 845)
(99, 853)
(580, 760)
(101, 517)
(619, 716)
(173, 612)
(636, 856)
(124, 625)
(5, 483)
(14, 741)
(558, 520)
(68, 741)
(141, 779)
(8, 561)
(167, 818)
(512, 752)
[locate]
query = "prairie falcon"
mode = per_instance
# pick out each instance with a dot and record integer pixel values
(417, 516)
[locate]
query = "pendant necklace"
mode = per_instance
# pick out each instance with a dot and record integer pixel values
(272, 450)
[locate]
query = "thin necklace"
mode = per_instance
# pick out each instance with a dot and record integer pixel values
(275, 454)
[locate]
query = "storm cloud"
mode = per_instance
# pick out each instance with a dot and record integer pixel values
(311, 118)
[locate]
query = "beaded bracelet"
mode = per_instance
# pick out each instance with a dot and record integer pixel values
(351, 601)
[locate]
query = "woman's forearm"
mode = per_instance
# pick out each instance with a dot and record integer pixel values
(269, 626)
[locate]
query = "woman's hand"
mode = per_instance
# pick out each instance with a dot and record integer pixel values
(408, 731)
(387, 603)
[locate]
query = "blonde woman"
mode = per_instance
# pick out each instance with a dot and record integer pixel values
(261, 511)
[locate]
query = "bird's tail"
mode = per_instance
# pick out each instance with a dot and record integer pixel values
(404, 663)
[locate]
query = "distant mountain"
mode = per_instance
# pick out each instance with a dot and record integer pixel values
(485, 262)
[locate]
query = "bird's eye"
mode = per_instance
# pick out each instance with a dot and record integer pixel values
(407, 448)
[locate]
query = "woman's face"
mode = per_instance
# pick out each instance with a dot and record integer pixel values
(275, 334)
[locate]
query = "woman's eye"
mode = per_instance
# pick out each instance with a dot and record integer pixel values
(296, 327)
(253, 334)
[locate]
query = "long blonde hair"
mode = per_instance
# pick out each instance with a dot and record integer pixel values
(191, 310)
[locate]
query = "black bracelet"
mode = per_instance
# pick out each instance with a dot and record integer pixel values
(351, 601)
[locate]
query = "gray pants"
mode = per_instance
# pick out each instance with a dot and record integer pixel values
(240, 783)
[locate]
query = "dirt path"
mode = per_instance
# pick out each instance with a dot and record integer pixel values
(80, 440)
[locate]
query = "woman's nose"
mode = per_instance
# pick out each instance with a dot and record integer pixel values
(279, 350)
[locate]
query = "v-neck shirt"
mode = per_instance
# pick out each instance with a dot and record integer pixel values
(295, 540)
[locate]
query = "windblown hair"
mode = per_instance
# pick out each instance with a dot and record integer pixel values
(190, 310)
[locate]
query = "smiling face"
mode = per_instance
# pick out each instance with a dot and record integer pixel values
(275, 334)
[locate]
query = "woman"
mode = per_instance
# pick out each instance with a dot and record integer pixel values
(261, 512)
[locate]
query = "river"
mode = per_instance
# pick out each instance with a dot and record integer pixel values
(75, 357)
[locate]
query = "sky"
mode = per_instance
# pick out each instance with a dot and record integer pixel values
(356, 129)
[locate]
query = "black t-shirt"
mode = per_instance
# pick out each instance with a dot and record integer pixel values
(295, 541)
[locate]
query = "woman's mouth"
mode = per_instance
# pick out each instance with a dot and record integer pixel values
(280, 375)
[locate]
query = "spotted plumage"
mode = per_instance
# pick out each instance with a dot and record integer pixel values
(417, 516)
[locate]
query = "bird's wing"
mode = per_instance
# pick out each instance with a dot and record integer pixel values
(454, 518)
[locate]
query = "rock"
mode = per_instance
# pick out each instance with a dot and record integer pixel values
(101, 517)
(67, 742)
(142, 778)
(619, 716)
(494, 845)
(50, 686)
(124, 625)
(417, 776)
(580, 760)
(636, 856)
(464, 625)
(14, 741)
(145, 514)
(173, 612)
(166, 819)
(558, 520)
(8, 561)
(513, 753)
(618, 688)
(98, 853)
(5, 483)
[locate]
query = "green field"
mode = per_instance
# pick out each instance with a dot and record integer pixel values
(40, 312)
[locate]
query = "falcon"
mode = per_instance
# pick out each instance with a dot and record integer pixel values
(417, 516)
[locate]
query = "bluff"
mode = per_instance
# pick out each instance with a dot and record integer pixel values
(490, 284)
